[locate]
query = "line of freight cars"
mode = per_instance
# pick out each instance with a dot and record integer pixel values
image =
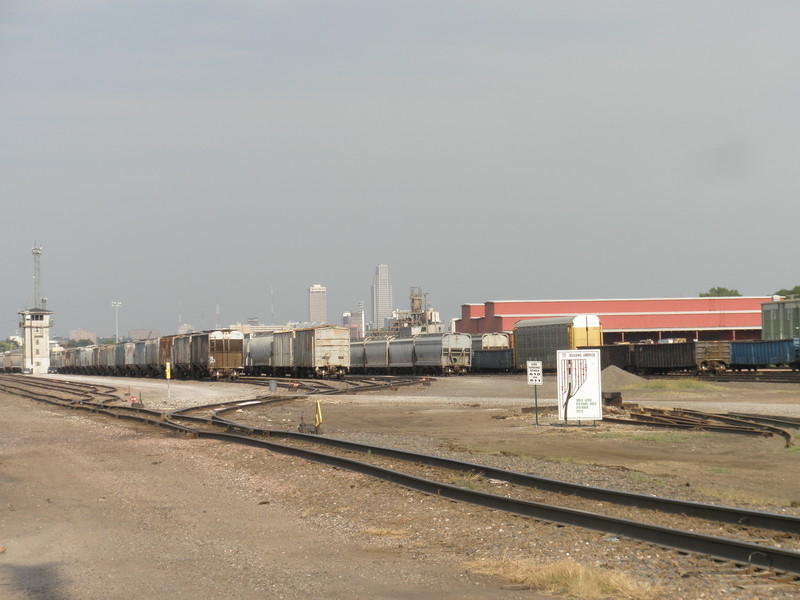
(701, 356)
(195, 355)
(316, 351)
(540, 339)
(12, 361)
(434, 353)
(537, 340)
(323, 351)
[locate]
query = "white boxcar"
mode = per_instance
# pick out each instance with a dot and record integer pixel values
(139, 358)
(322, 351)
(151, 349)
(106, 359)
(443, 352)
(283, 352)
(57, 358)
(182, 355)
(259, 355)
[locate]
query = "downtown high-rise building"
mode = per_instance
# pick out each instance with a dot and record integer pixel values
(317, 304)
(381, 297)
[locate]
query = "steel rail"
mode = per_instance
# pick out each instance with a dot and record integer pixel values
(726, 549)
(746, 553)
(723, 514)
(768, 419)
(739, 422)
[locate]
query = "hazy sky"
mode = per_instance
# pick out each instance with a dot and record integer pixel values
(200, 152)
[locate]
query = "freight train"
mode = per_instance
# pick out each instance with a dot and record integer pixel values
(322, 351)
(701, 356)
(326, 351)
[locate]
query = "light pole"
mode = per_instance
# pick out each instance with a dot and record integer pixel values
(116, 306)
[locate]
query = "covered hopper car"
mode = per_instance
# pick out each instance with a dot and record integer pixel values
(433, 353)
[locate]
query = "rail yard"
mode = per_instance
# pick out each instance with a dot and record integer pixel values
(419, 540)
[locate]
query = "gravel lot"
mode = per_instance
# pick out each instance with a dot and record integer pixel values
(93, 508)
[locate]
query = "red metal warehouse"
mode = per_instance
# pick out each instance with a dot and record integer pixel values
(630, 319)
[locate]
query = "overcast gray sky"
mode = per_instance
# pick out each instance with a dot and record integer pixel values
(199, 151)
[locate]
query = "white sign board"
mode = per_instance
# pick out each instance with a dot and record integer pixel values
(579, 391)
(534, 372)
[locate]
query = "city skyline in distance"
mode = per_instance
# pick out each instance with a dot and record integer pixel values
(523, 151)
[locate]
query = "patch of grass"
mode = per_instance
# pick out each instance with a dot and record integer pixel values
(568, 460)
(385, 532)
(568, 578)
(644, 478)
(660, 436)
(740, 497)
(610, 436)
(638, 477)
(720, 470)
(656, 436)
(466, 480)
(793, 450)
(670, 385)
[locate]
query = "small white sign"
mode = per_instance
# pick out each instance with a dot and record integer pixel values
(579, 389)
(534, 372)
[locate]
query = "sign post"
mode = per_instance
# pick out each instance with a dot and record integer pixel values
(535, 379)
(169, 376)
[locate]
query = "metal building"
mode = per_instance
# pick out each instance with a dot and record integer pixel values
(780, 319)
(630, 319)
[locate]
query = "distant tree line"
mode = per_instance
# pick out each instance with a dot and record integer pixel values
(82, 343)
(721, 292)
(8, 344)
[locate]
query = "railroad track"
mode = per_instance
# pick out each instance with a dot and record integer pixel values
(346, 385)
(762, 376)
(695, 420)
(760, 534)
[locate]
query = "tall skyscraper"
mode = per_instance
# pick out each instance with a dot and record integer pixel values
(381, 297)
(317, 304)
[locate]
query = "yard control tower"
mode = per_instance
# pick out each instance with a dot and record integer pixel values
(35, 324)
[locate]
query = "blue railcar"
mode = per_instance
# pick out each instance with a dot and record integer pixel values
(760, 354)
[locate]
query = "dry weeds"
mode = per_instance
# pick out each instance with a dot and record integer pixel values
(385, 532)
(567, 578)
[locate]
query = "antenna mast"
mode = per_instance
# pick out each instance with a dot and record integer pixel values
(37, 292)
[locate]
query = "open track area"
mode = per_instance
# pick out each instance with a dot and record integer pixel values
(480, 419)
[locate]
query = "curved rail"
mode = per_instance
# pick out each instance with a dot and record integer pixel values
(738, 551)
(720, 423)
